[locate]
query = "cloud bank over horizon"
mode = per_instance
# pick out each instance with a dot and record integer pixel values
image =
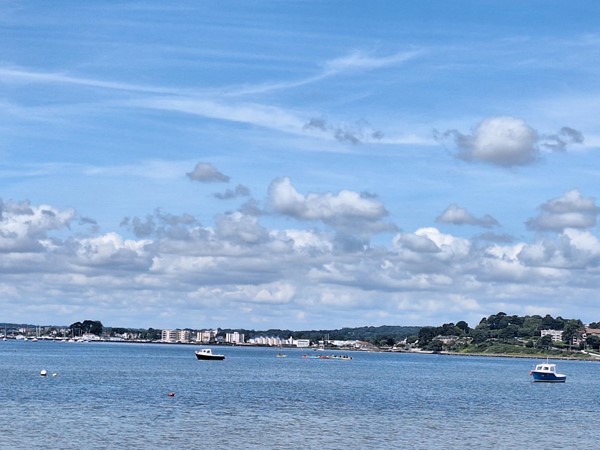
(291, 275)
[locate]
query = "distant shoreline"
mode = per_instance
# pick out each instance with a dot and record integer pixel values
(583, 357)
(493, 355)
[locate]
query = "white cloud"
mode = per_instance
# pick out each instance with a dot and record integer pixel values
(112, 250)
(508, 141)
(335, 209)
(457, 215)
(207, 173)
(504, 141)
(571, 210)
(24, 227)
(240, 228)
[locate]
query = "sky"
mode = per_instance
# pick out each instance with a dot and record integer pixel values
(298, 164)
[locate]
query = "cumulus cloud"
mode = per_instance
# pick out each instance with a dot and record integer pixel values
(240, 228)
(507, 141)
(239, 191)
(161, 224)
(427, 257)
(25, 228)
(112, 250)
(348, 134)
(457, 215)
(571, 210)
(346, 210)
(207, 173)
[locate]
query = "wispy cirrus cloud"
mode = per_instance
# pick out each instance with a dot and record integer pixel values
(18, 75)
(360, 60)
(355, 61)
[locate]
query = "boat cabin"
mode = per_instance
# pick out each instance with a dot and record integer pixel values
(548, 368)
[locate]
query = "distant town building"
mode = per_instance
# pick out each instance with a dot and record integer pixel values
(276, 341)
(270, 341)
(174, 336)
(206, 336)
(234, 338)
(301, 343)
(556, 335)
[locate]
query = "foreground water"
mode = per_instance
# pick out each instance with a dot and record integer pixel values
(113, 396)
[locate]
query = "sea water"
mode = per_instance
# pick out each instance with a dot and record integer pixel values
(143, 396)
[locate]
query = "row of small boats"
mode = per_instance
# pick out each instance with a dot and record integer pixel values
(206, 354)
(542, 373)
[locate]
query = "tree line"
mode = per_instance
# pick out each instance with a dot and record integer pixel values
(513, 329)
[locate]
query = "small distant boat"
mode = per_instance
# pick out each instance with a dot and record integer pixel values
(546, 373)
(280, 355)
(207, 354)
(342, 357)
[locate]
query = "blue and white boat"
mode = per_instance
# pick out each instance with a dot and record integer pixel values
(546, 373)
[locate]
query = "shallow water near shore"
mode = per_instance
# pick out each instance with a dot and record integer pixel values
(112, 395)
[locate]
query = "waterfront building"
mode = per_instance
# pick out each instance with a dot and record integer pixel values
(234, 338)
(175, 336)
(301, 343)
(206, 336)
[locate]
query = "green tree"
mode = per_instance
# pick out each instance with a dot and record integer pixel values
(93, 327)
(479, 335)
(573, 329)
(593, 342)
(426, 335)
(412, 339)
(464, 326)
(436, 345)
(545, 342)
(510, 332)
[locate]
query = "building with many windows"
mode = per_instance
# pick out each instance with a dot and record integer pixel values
(174, 336)
(206, 336)
(234, 338)
(556, 335)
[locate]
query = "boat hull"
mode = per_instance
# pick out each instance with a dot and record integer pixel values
(204, 356)
(548, 377)
(210, 358)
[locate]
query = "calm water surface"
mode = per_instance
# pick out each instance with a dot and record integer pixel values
(113, 396)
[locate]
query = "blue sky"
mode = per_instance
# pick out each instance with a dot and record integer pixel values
(298, 164)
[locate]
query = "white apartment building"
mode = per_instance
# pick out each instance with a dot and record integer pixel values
(556, 335)
(206, 336)
(276, 341)
(234, 338)
(175, 336)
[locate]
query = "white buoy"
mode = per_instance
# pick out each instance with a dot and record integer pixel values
(43, 373)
